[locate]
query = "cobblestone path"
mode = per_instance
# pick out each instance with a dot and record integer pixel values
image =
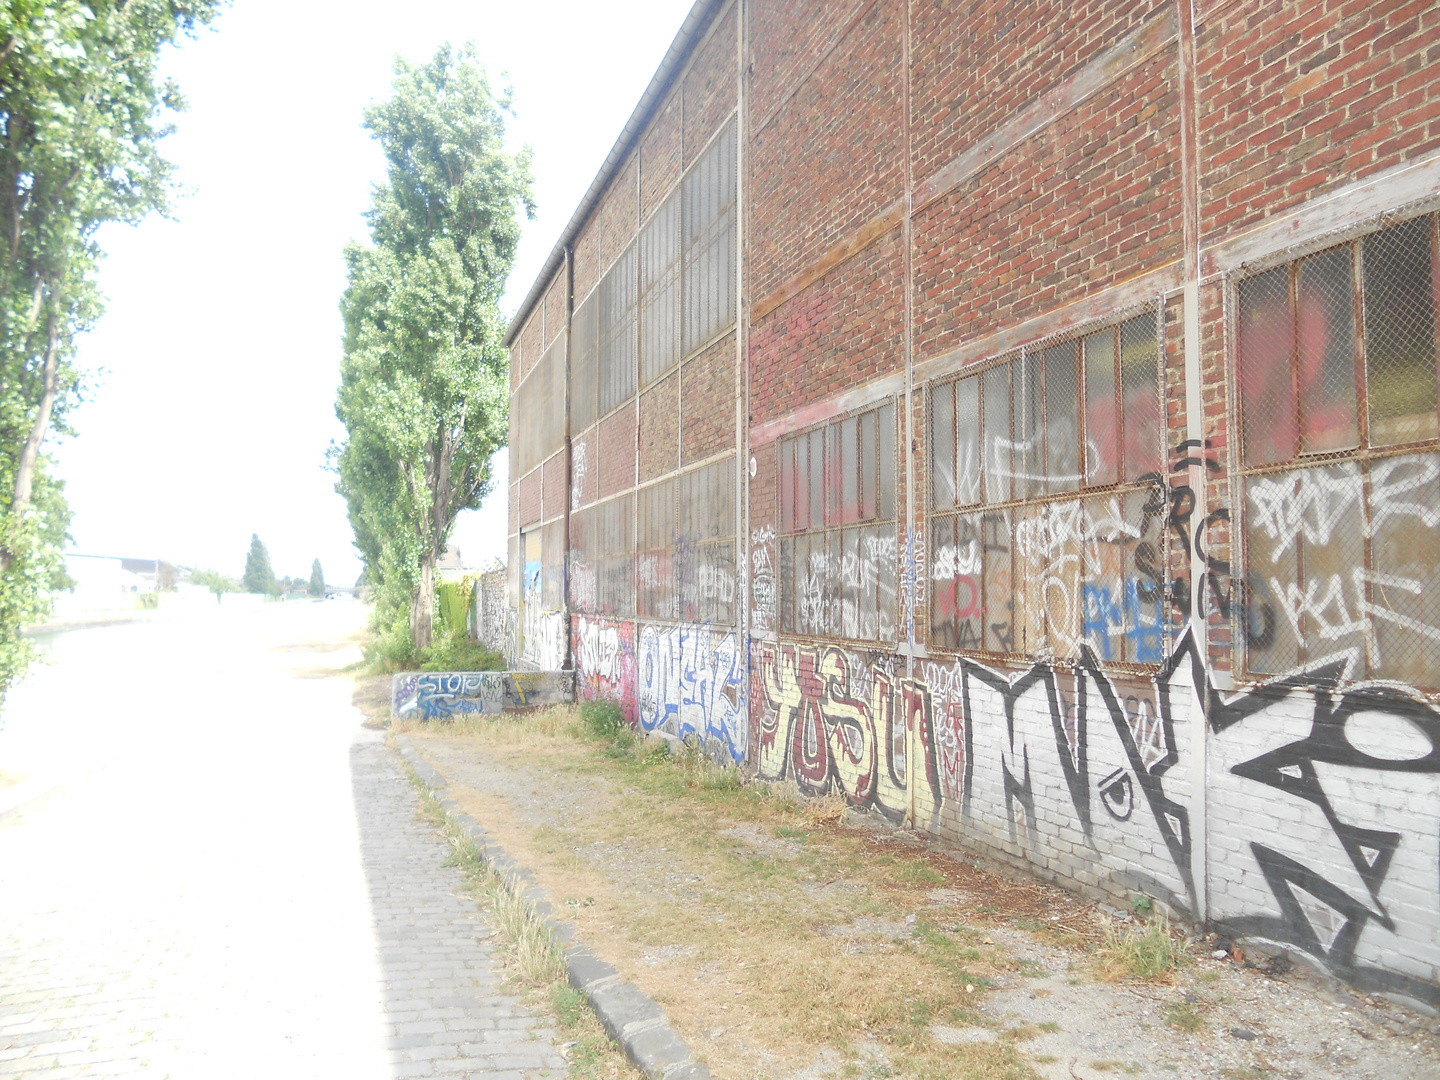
(229, 880)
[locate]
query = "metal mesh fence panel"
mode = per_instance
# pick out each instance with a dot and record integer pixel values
(1337, 357)
(617, 333)
(660, 292)
(1400, 333)
(708, 193)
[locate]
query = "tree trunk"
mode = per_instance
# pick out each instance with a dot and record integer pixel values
(30, 452)
(422, 605)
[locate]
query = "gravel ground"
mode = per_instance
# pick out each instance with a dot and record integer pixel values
(1251, 1022)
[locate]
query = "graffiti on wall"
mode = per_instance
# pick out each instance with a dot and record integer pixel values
(605, 662)
(762, 580)
(1085, 775)
(690, 680)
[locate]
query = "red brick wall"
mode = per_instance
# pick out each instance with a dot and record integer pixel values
(616, 215)
(585, 474)
(660, 156)
(616, 436)
(530, 497)
(532, 345)
(707, 401)
(834, 157)
(1301, 97)
(710, 90)
(587, 260)
(1091, 199)
(660, 427)
(555, 307)
(974, 65)
(554, 497)
(842, 332)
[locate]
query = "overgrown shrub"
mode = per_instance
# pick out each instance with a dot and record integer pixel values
(603, 719)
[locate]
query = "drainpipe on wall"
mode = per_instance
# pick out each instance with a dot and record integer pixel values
(568, 661)
(1194, 428)
(912, 736)
(742, 366)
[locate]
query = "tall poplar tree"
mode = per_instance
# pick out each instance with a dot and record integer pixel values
(82, 112)
(424, 379)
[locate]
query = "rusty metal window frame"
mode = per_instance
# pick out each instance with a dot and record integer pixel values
(1308, 510)
(839, 519)
(1077, 481)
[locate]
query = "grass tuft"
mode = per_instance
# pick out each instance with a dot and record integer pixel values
(1150, 955)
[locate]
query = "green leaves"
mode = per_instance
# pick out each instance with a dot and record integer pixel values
(424, 381)
(82, 113)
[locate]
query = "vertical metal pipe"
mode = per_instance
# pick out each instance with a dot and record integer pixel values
(1194, 420)
(568, 662)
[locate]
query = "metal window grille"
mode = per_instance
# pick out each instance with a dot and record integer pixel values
(602, 558)
(585, 365)
(708, 198)
(1047, 501)
(538, 425)
(1336, 365)
(838, 555)
(655, 561)
(660, 292)
(616, 298)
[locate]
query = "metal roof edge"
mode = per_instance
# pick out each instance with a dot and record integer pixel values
(689, 35)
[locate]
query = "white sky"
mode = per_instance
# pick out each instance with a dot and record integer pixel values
(219, 353)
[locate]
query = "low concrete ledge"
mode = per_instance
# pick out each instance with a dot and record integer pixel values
(438, 695)
(634, 1020)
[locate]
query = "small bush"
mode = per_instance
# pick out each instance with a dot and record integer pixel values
(602, 718)
(456, 652)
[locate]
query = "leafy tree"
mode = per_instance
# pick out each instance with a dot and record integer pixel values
(215, 581)
(424, 385)
(317, 580)
(82, 113)
(259, 577)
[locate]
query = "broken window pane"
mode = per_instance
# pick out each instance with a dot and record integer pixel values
(967, 442)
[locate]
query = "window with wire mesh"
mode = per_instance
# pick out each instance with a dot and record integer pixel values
(602, 558)
(552, 576)
(669, 294)
(1047, 500)
(538, 427)
(837, 547)
(685, 568)
(1336, 365)
(705, 544)
(708, 195)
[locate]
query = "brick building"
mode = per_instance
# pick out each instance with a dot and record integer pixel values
(1022, 418)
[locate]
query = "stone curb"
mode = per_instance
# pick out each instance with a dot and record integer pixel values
(629, 1016)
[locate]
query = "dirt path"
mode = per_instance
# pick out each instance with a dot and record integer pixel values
(788, 938)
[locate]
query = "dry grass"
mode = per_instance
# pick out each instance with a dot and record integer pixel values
(532, 955)
(770, 931)
(1152, 953)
